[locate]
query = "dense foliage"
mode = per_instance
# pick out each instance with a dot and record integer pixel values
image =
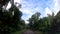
(10, 20)
(47, 25)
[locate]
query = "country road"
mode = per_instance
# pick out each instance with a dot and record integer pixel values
(28, 32)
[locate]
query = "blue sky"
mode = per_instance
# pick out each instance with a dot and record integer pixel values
(29, 7)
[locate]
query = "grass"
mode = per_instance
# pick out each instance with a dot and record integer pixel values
(19, 32)
(38, 32)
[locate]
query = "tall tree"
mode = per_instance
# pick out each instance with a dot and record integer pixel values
(33, 21)
(55, 28)
(9, 22)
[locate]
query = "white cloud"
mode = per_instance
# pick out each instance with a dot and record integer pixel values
(56, 6)
(37, 9)
(9, 5)
(26, 11)
(29, 14)
(18, 1)
(26, 22)
(47, 11)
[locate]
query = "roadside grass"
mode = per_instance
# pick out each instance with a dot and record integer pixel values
(19, 32)
(38, 32)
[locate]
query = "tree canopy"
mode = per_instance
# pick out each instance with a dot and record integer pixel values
(8, 22)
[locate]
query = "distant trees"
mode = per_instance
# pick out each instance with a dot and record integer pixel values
(37, 23)
(55, 27)
(47, 25)
(33, 21)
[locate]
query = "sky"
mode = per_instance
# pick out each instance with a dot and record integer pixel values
(29, 7)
